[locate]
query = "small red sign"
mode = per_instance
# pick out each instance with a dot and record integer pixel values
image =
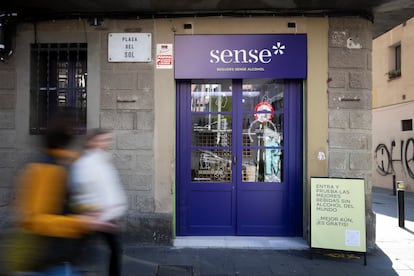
(263, 112)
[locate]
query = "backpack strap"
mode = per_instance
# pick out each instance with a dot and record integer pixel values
(48, 158)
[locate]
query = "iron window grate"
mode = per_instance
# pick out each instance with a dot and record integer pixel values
(58, 81)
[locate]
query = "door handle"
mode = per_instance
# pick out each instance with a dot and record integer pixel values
(234, 160)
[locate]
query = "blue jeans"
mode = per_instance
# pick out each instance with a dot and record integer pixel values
(65, 269)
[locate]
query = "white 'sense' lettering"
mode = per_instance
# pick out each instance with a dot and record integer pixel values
(241, 56)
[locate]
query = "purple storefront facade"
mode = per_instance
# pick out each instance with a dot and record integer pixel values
(281, 56)
(238, 175)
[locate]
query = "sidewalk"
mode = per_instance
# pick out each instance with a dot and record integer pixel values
(261, 256)
(394, 254)
(397, 243)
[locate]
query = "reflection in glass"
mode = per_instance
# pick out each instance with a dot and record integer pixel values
(63, 74)
(262, 155)
(80, 75)
(211, 118)
(262, 131)
(211, 130)
(255, 130)
(211, 97)
(262, 90)
(211, 165)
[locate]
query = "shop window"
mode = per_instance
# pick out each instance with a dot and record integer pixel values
(407, 125)
(58, 79)
(395, 62)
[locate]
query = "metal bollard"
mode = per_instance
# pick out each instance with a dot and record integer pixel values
(400, 201)
(394, 186)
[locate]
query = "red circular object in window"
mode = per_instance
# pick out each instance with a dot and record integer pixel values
(263, 112)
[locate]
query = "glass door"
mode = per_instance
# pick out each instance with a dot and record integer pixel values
(205, 153)
(234, 172)
(211, 121)
(261, 191)
(262, 130)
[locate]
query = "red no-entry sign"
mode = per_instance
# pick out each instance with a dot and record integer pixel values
(263, 112)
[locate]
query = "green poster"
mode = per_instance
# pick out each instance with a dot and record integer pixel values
(338, 214)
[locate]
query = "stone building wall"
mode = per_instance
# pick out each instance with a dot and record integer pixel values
(120, 98)
(349, 105)
(127, 107)
(7, 135)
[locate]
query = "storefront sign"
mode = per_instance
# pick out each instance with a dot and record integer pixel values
(241, 56)
(164, 58)
(338, 214)
(129, 47)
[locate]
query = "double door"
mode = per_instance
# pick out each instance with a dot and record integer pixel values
(239, 157)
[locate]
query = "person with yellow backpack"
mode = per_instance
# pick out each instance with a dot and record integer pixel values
(46, 233)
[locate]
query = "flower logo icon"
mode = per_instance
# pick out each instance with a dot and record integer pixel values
(279, 48)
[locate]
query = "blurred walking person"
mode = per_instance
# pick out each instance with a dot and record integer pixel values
(98, 190)
(48, 231)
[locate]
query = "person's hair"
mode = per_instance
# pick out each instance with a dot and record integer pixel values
(92, 133)
(59, 133)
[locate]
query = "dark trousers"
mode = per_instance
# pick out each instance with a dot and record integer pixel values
(115, 255)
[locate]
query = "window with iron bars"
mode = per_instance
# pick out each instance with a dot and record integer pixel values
(58, 82)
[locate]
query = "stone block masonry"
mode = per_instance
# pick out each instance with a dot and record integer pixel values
(349, 102)
(8, 162)
(127, 108)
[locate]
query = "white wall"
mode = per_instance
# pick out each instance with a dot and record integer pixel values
(386, 126)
